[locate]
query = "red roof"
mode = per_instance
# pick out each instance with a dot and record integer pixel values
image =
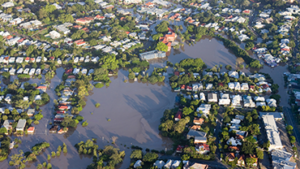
(30, 129)
(204, 146)
(178, 115)
(41, 87)
(179, 148)
(62, 107)
(176, 73)
(68, 71)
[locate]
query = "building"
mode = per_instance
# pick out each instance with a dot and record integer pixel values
(132, 1)
(30, 130)
(21, 125)
(152, 55)
(85, 20)
(272, 132)
(54, 34)
(199, 136)
(8, 4)
(30, 112)
(198, 166)
(281, 159)
(212, 97)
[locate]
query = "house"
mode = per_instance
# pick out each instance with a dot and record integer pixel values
(198, 121)
(209, 86)
(241, 161)
(30, 112)
(8, 124)
(212, 97)
(244, 86)
(168, 164)
(179, 149)
(198, 166)
(42, 88)
(204, 108)
(85, 20)
(199, 136)
(159, 164)
(234, 142)
(202, 96)
(178, 115)
(54, 34)
(8, 4)
(272, 132)
(30, 130)
(137, 164)
(230, 156)
(175, 164)
(132, 1)
(202, 148)
(224, 99)
(80, 42)
(21, 125)
(255, 160)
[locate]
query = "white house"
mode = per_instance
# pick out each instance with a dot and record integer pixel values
(54, 34)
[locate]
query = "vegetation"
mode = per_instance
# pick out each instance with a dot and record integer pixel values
(109, 154)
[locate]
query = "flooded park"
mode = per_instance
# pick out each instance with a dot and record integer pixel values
(130, 112)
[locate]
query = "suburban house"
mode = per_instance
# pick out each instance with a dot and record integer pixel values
(178, 115)
(21, 125)
(204, 108)
(30, 130)
(85, 20)
(30, 112)
(198, 136)
(202, 148)
(212, 97)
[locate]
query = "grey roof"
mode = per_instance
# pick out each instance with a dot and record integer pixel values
(30, 111)
(280, 155)
(21, 124)
(276, 115)
(194, 133)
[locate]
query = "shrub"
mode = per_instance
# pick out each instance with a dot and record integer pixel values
(99, 85)
(85, 123)
(97, 105)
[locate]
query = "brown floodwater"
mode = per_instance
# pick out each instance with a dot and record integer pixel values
(134, 110)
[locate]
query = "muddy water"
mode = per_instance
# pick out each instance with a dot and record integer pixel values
(210, 50)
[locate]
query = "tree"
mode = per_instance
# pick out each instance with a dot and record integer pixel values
(259, 153)
(17, 159)
(248, 148)
(150, 157)
(163, 27)
(292, 139)
(157, 36)
(38, 116)
(97, 105)
(161, 47)
(136, 154)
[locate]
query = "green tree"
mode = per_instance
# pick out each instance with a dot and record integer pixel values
(161, 47)
(150, 157)
(136, 154)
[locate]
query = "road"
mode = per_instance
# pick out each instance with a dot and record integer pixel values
(293, 122)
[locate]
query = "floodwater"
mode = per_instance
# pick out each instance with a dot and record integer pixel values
(210, 50)
(134, 110)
